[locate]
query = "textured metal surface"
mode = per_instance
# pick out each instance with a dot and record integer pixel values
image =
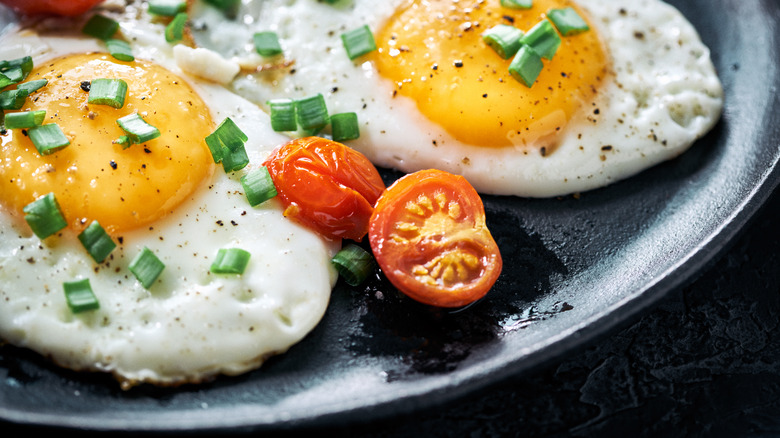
(576, 268)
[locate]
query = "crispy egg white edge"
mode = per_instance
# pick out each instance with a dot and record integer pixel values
(191, 324)
(659, 87)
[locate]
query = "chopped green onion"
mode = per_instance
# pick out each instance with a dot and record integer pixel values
(258, 186)
(137, 129)
(226, 144)
(48, 138)
(228, 7)
(146, 267)
(504, 39)
(358, 41)
(14, 74)
(267, 43)
(311, 112)
(344, 126)
(97, 242)
(230, 261)
(44, 216)
(13, 99)
(24, 119)
(25, 63)
(526, 66)
(567, 21)
(167, 8)
(174, 31)
(517, 4)
(5, 80)
(100, 27)
(543, 39)
(79, 296)
(109, 92)
(32, 86)
(353, 263)
(283, 115)
(120, 49)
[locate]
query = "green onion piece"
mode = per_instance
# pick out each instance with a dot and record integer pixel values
(120, 49)
(235, 160)
(48, 138)
(5, 80)
(311, 112)
(504, 39)
(167, 8)
(517, 4)
(24, 119)
(32, 86)
(13, 99)
(14, 74)
(174, 31)
(567, 21)
(344, 126)
(24, 63)
(44, 216)
(146, 267)
(526, 66)
(267, 43)
(283, 115)
(543, 39)
(230, 261)
(109, 92)
(100, 27)
(258, 186)
(228, 7)
(79, 296)
(226, 144)
(97, 242)
(353, 263)
(358, 41)
(137, 129)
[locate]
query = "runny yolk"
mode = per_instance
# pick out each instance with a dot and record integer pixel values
(434, 53)
(94, 178)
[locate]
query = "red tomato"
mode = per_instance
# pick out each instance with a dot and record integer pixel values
(56, 7)
(326, 186)
(428, 235)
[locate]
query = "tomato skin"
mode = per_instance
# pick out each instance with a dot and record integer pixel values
(429, 236)
(326, 186)
(51, 7)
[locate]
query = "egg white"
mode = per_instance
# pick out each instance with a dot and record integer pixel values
(191, 324)
(663, 95)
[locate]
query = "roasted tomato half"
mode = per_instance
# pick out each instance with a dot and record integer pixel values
(428, 235)
(51, 7)
(326, 186)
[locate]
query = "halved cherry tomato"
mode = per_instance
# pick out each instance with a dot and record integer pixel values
(325, 185)
(51, 7)
(429, 236)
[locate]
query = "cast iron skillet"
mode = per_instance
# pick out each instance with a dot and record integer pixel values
(574, 270)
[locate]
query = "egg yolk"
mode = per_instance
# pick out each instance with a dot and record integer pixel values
(434, 53)
(94, 178)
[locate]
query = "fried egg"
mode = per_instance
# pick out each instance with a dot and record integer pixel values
(166, 195)
(636, 89)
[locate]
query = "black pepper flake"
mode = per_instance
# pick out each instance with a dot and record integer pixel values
(220, 223)
(458, 63)
(334, 89)
(509, 18)
(606, 147)
(435, 66)
(121, 240)
(113, 164)
(234, 223)
(484, 95)
(596, 111)
(147, 150)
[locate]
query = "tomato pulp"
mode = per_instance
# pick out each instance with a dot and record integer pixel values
(429, 236)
